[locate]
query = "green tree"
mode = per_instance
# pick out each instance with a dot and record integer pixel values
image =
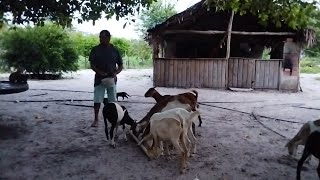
(121, 44)
(157, 13)
(296, 13)
(315, 50)
(140, 49)
(63, 11)
(39, 49)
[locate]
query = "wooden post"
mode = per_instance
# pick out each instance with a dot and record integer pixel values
(141, 146)
(228, 47)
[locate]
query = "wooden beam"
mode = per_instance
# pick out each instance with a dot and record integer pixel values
(212, 32)
(193, 32)
(228, 48)
(264, 33)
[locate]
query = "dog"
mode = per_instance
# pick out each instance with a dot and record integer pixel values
(123, 95)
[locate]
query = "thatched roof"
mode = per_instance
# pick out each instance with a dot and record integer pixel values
(199, 17)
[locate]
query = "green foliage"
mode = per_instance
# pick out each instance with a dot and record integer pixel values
(63, 11)
(135, 62)
(315, 50)
(121, 44)
(135, 53)
(84, 43)
(296, 13)
(310, 65)
(39, 49)
(157, 13)
(141, 49)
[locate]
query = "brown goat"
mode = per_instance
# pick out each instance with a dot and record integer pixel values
(183, 98)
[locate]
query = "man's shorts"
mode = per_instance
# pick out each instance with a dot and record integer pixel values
(99, 92)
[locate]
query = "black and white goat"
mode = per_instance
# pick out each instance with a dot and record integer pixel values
(116, 115)
(312, 147)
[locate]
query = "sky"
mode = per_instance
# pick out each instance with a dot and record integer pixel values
(116, 27)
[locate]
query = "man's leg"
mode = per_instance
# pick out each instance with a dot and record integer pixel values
(115, 87)
(111, 94)
(97, 99)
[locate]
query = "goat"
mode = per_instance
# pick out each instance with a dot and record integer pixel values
(116, 115)
(301, 137)
(172, 125)
(183, 98)
(312, 147)
(159, 107)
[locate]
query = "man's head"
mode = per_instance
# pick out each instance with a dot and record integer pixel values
(104, 37)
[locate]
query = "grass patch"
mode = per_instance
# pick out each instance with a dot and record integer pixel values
(310, 65)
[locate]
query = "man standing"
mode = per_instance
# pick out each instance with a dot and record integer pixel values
(106, 61)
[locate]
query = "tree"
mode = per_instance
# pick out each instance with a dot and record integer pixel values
(315, 50)
(121, 44)
(157, 13)
(63, 11)
(296, 13)
(39, 49)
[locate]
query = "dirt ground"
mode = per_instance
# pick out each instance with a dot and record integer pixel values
(50, 140)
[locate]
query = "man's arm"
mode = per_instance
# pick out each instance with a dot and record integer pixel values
(119, 63)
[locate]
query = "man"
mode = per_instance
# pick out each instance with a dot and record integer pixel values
(104, 59)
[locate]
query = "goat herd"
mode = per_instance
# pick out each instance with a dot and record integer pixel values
(171, 122)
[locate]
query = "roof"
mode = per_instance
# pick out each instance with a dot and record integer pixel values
(193, 16)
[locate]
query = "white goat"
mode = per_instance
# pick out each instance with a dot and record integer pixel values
(173, 125)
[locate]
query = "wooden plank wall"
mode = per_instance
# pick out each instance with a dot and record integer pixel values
(241, 72)
(187, 73)
(267, 74)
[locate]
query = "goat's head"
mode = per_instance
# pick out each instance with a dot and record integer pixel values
(140, 128)
(150, 92)
(291, 148)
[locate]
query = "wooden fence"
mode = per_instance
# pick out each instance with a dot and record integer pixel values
(214, 73)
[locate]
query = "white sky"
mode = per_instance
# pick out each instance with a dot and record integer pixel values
(116, 27)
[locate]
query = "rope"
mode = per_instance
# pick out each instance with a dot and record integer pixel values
(258, 119)
(250, 114)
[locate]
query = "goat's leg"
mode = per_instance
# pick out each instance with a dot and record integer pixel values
(200, 120)
(184, 147)
(193, 128)
(318, 169)
(305, 155)
(192, 139)
(106, 127)
(182, 156)
(124, 132)
(166, 150)
(112, 134)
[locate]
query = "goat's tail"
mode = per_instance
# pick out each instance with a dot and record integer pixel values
(196, 93)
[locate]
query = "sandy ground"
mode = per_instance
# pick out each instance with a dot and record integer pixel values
(49, 140)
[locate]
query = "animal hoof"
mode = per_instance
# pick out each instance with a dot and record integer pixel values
(183, 171)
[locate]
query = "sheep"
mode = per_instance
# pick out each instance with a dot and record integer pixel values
(172, 125)
(116, 115)
(301, 137)
(312, 146)
(183, 98)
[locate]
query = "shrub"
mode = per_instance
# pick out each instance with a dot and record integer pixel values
(39, 49)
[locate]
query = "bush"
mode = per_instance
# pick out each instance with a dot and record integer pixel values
(310, 65)
(39, 49)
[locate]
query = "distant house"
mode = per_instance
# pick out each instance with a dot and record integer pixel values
(191, 49)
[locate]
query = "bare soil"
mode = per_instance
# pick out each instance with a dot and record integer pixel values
(51, 140)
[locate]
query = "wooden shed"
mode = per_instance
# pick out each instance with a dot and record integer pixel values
(204, 48)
